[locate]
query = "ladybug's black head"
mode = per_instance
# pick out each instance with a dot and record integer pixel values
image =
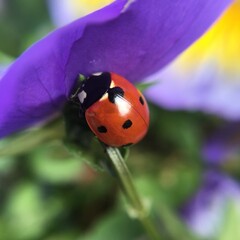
(93, 88)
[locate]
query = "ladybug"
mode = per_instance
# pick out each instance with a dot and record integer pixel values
(115, 110)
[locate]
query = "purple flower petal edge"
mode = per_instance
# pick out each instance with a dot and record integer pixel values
(132, 38)
(204, 213)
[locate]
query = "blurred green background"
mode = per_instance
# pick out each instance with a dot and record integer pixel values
(50, 193)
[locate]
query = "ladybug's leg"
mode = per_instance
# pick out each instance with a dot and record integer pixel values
(74, 96)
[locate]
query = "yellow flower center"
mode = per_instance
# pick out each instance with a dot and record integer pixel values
(219, 46)
(83, 7)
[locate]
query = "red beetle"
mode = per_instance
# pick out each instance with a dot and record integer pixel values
(114, 109)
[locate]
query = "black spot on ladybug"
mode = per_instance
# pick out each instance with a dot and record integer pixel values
(141, 100)
(127, 145)
(102, 129)
(115, 92)
(127, 124)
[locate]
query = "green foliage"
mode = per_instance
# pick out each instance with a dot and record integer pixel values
(144, 85)
(230, 222)
(116, 225)
(55, 164)
(5, 59)
(19, 20)
(25, 209)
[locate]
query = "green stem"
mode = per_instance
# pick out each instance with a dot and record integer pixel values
(29, 140)
(124, 177)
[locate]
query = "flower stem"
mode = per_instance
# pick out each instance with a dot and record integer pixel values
(124, 178)
(27, 141)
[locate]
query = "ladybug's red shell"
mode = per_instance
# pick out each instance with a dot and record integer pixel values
(121, 116)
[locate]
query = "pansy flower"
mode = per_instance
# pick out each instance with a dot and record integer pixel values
(132, 38)
(206, 76)
(215, 203)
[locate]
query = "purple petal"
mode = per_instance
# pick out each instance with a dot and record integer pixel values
(132, 38)
(205, 212)
(206, 76)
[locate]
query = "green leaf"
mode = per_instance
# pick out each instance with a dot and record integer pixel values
(55, 164)
(5, 59)
(27, 213)
(160, 202)
(6, 164)
(118, 226)
(145, 85)
(26, 141)
(64, 235)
